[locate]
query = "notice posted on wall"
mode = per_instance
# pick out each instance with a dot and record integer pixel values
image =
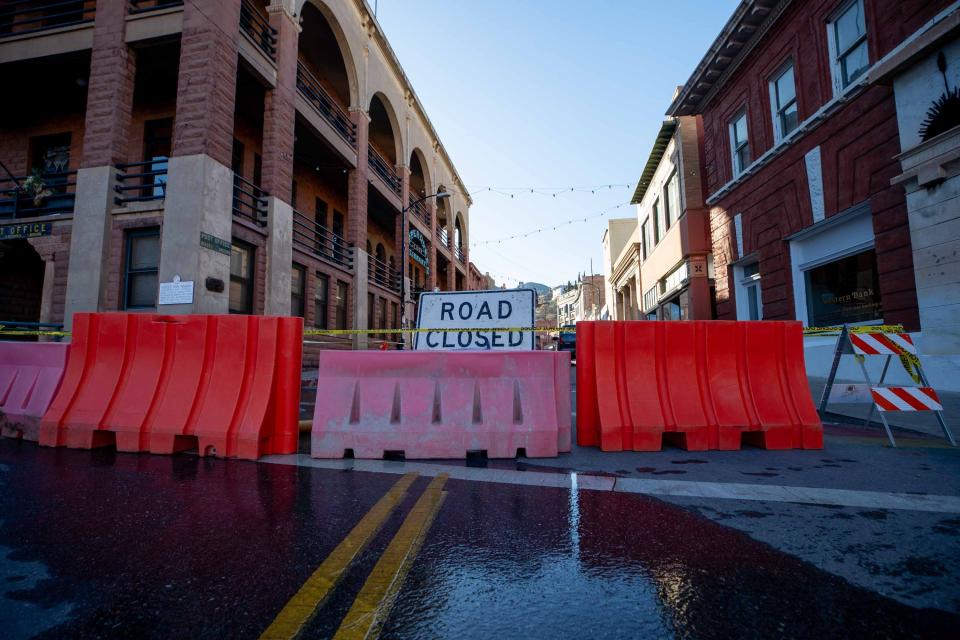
(481, 320)
(176, 292)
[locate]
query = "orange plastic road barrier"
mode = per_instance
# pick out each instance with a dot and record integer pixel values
(708, 384)
(30, 373)
(227, 385)
(442, 404)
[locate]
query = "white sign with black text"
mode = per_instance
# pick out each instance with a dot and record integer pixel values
(176, 292)
(482, 316)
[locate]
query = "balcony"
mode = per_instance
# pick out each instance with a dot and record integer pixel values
(249, 201)
(142, 6)
(319, 241)
(443, 237)
(141, 181)
(383, 169)
(326, 106)
(55, 197)
(458, 254)
(420, 210)
(256, 26)
(18, 17)
(380, 273)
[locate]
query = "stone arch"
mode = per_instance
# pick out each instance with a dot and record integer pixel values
(420, 183)
(319, 20)
(459, 231)
(385, 131)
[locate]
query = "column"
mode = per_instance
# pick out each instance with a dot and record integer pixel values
(357, 185)
(452, 269)
(199, 179)
(432, 249)
(106, 133)
(403, 246)
(278, 142)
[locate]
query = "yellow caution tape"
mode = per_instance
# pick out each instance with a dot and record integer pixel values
(911, 364)
(809, 331)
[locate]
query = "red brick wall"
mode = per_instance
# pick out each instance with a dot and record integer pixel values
(56, 248)
(208, 79)
(110, 92)
(857, 144)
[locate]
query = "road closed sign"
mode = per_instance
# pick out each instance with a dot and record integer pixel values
(475, 320)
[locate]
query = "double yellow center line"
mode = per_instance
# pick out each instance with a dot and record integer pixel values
(372, 604)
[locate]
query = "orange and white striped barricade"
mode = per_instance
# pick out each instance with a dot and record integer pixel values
(867, 342)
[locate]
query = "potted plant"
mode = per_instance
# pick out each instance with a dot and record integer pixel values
(35, 188)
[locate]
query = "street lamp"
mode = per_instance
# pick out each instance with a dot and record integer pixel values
(439, 195)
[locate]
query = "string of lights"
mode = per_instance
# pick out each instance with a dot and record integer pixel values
(553, 227)
(543, 191)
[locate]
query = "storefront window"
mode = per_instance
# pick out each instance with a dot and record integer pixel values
(844, 291)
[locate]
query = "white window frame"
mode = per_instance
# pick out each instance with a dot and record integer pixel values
(743, 284)
(776, 109)
(836, 67)
(837, 237)
(734, 147)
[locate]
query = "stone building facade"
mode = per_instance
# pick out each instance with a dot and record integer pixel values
(261, 149)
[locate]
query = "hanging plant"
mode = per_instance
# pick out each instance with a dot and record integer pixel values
(34, 187)
(945, 112)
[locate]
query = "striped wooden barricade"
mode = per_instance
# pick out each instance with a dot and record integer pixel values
(885, 398)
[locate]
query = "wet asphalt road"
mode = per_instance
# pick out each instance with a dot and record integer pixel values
(100, 544)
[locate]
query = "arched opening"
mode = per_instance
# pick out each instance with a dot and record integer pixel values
(458, 232)
(320, 55)
(382, 133)
(21, 281)
(419, 183)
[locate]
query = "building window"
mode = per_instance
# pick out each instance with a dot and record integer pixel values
(739, 143)
(341, 305)
(844, 291)
(157, 144)
(676, 308)
(659, 229)
(673, 199)
(383, 320)
(320, 301)
(141, 268)
(241, 277)
(650, 299)
(847, 35)
(747, 282)
(298, 285)
(646, 241)
(783, 101)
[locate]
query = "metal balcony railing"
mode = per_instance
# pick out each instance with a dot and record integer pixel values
(255, 25)
(27, 16)
(380, 273)
(142, 6)
(443, 237)
(383, 169)
(325, 105)
(420, 210)
(458, 253)
(141, 181)
(321, 242)
(249, 201)
(56, 197)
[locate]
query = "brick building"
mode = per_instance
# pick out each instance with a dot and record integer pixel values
(263, 150)
(799, 150)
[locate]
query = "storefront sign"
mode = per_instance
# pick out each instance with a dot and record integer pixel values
(176, 292)
(29, 230)
(219, 245)
(418, 247)
(481, 316)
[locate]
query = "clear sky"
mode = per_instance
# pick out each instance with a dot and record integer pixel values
(548, 93)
